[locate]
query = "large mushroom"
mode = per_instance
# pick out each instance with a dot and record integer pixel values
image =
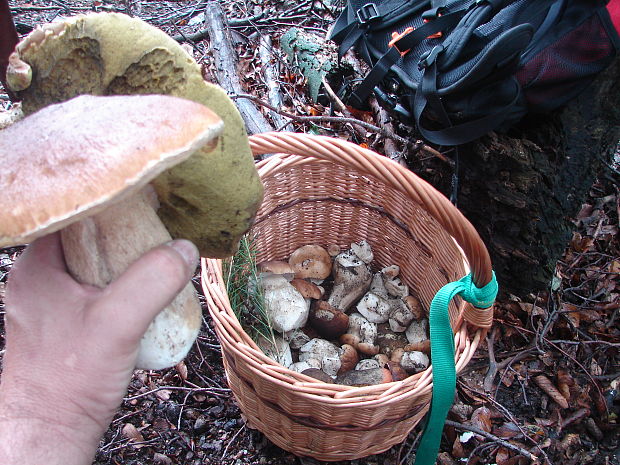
(83, 167)
(212, 197)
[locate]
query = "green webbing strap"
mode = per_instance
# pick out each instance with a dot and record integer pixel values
(442, 358)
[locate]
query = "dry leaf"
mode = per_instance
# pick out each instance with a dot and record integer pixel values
(481, 419)
(547, 386)
(163, 394)
(131, 432)
(595, 369)
(502, 456)
(565, 381)
(182, 370)
(161, 459)
(457, 449)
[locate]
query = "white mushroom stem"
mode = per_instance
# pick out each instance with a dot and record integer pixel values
(100, 248)
(352, 278)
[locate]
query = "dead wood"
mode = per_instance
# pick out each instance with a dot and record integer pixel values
(271, 73)
(225, 61)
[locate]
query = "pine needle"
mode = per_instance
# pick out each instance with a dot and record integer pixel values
(246, 297)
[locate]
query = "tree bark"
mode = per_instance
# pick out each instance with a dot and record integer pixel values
(521, 191)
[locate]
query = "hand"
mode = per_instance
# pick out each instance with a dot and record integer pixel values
(71, 348)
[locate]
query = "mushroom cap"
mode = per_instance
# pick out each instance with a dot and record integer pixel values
(307, 289)
(213, 196)
(277, 267)
(70, 160)
(348, 358)
(311, 261)
(328, 321)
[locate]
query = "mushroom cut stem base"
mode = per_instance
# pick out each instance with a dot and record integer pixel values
(99, 248)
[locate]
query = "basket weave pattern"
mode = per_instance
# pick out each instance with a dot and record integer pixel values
(321, 190)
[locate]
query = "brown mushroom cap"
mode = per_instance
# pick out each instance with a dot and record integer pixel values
(277, 267)
(307, 289)
(70, 160)
(365, 377)
(328, 321)
(311, 261)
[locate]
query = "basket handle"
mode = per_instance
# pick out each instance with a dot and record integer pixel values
(349, 154)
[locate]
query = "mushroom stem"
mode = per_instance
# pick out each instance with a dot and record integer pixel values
(99, 248)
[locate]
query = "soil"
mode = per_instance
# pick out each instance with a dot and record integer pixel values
(568, 334)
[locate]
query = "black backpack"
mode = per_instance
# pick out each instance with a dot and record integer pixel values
(462, 68)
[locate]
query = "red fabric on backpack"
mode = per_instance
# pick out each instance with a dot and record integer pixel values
(8, 39)
(614, 11)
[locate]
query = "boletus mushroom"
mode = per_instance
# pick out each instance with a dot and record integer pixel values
(84, 167)
(212, 197)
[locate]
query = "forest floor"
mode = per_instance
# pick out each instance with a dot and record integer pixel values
(546, 381)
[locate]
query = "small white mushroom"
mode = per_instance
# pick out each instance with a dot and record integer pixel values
(276, 349)
(363, 251)
(375, 308)
(285, 306)
(390, 271)
(367, 363)
(414, 361)
(401, 315)
(296, 338)
(396, 288)
(377, 285)
(351, 280)
(323, 350)
(361, 335)
(417, 331)
(299, 367)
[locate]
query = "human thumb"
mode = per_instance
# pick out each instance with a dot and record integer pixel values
(147, 286)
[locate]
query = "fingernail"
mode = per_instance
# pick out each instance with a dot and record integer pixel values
(187, 250)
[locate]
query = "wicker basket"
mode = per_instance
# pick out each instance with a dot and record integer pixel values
(321, 190)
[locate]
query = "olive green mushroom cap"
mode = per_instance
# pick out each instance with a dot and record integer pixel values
(211, 198)
(72, 160)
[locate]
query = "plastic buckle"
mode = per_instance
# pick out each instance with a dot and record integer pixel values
(433, 13)
(396, 36)
(429, 57)
(367, 13)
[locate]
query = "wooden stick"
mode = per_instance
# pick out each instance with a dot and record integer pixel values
(225, 59)
(271, 74)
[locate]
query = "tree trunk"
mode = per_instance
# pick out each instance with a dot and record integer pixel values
(521, 191)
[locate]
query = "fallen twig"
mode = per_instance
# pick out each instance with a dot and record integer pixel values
(242, 22)
(417, 145)
(271, 74)
(231, 441)
(492, 371)
(214, 391)
(492, 437)
(225, 59)
(385, 122)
